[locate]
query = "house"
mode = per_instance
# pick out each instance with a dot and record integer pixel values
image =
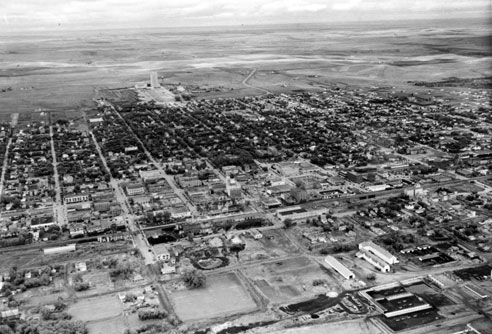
(257, 234)
(81, 267)
(168, 268)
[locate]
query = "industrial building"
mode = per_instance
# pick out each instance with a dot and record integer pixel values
(298, 213)
(374, 260)
(380, 252)
(339, 267)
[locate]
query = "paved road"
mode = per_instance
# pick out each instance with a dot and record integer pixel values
(245, 82)
(138, 238)
(5, 163)
(58, 207)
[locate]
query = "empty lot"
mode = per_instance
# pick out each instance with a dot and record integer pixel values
(223, 295)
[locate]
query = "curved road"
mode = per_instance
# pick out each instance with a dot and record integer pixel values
(245, 82)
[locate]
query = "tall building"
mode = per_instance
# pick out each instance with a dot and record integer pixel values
(233, 188)
(154, 80)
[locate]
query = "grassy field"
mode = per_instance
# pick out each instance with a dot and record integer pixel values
(116, 325)
(21, 260)
(96, 308)
(223, 295)
(100, 283)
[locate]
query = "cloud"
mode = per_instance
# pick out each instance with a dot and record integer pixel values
(345, 5)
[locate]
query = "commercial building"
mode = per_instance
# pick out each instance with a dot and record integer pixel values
(299, 194)
(298, 213)
(135, 188)
(233, 188)
(161, 252)
(76, 198)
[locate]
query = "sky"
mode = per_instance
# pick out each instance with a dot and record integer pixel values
(29, 15)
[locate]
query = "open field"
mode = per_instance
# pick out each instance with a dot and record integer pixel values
(100, 283)
(20, 259)
(115, 325)
(64, 71)
(285, 280)
(96, 308)
(273, 244)
(214, 300)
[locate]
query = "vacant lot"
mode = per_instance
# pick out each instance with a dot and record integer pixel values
(282, 280)
(96, 308)
(115, 325)
(273, 244)
(223, 295)
(21, 260)
(100, 283)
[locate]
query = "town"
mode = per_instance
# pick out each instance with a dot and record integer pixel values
(165, 212)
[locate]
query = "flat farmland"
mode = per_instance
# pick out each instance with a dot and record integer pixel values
(284, 280)
(224, 295)
(96, 308)
(61, 71)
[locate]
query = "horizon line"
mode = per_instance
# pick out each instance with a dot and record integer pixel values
(248, 25)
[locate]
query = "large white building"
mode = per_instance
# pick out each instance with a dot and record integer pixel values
(297, 213)
(339, 267)
(374, 260)
(154, 80)
(379, 251)
(60, 249)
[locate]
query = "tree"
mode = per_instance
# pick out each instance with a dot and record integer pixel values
(288, 223)
(60, 305)
(194, 279)
(4, 329)
(81, 286)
